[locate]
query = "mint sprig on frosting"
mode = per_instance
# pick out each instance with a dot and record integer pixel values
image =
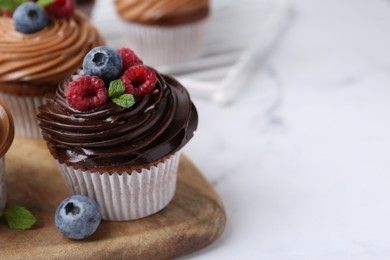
(116, 94)
(11, 5)
(43, 3)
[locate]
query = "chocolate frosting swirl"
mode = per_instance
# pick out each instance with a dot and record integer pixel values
(162, 12)
(159, 124)
(6, 129)
(47, 56)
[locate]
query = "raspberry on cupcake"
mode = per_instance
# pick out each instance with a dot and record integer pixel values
(61, 8)
(117, 139)
(138, 80)
(86, 93)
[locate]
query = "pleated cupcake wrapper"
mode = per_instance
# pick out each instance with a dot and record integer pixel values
(126, 196)
(157, 45)
(3, 194)
(24, 110)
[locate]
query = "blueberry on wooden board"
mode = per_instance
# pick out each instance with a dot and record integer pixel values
(77, 217)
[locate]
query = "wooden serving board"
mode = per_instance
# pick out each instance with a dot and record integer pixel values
(194, 219)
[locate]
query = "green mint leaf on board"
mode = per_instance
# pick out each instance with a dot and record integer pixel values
(11, 5)
(125, 100)
(19, 218)
(43, 3)
(116, 88)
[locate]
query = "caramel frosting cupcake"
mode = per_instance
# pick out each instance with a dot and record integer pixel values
(124, 155)
(46, 57)
(6, 138)
(163, 12)
(165, 32)
(32, 65)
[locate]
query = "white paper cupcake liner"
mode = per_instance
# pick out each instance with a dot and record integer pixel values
(125, 196)
(3, 194)
(162, 45)
(24, 110)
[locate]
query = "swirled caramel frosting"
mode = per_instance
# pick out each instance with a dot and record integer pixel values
(158, 125)
(6, 129)
(44, 58)
(162, 12)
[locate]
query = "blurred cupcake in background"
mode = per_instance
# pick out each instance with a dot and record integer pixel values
(85, 6)
(39, 47)
(164, 32)
(6, 138)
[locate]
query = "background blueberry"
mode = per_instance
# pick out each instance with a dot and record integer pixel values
(29, 18)
(77, 217)
(104, 62)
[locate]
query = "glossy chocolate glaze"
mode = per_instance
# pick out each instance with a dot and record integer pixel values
(158, 125)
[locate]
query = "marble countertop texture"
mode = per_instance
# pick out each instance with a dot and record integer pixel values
(301, 159)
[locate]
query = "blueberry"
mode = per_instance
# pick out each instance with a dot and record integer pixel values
(29, 18)
(104, 62)
(77, 217)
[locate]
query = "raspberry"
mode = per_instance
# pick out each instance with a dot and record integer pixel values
(86, 93)
(8, 14)
(129, 58)
(138, 80)
(61, 8)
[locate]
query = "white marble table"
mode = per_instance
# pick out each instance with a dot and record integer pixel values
(302, 158)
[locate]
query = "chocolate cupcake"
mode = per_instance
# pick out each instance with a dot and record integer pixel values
(6, 138)
(119, 145)
(164, 32)
(33, 63)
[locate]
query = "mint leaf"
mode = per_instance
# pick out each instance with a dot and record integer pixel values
(19, 218)
(43, 3)
(125, 100)
(115, 93)
(11, 5)
(116, 88)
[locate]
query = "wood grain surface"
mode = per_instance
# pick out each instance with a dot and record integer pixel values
(194, 219)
